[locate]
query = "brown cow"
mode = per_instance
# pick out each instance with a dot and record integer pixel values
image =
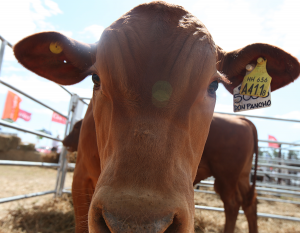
(158, 68)
(227, 156)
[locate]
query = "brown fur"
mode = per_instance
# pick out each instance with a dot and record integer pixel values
(228, 157)
(230, 144)
(143, 144)
(71, 141)
(281, 66)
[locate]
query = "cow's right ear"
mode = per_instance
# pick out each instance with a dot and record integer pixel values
(281, 66)
(56, 57)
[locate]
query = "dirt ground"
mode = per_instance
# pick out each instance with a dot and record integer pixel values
(16, 180)
(211, 221)
(45, 214)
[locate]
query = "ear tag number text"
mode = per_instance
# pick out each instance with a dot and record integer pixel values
(257, 82)
(246, 102)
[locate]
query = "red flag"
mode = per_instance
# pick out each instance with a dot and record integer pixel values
(11, 108)
(58, 118)
(24, 115)
(274, 145)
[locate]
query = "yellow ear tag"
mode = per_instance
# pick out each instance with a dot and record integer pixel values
(55, 48)
(257, 83)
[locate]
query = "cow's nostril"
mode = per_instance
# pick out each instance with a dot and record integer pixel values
(102, 225)
(174, 227)
(133, 225)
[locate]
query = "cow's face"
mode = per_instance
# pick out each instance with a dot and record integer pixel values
(155, 78)
(152, 113)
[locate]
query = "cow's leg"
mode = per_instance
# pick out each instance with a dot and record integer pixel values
(230, 196)
(249, 204)
(82, 192)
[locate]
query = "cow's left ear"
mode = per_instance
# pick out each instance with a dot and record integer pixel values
(281, 66)
(56, 57)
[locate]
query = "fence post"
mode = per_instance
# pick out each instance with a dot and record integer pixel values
(279, 170)
(3, 44)
(64, 167)
(61, 156)
(62, 170)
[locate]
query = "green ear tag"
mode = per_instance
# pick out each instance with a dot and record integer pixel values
(257, 83)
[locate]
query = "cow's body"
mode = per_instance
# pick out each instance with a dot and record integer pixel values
(158, 68)
(227, 156)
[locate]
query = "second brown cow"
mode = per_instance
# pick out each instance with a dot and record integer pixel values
(227, 156)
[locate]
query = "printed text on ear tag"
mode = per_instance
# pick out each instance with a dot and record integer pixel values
(55, 48)
(257, 83)
(246, 102)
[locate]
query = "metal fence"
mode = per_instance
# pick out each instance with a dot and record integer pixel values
(63, 164)
(264, 188)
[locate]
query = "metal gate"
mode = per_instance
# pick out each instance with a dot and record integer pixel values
(62, 165)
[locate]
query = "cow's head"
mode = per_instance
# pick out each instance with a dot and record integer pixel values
(155, 76)
(71, 141)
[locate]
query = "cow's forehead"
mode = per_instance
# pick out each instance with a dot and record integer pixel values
(159, 23)
(154, 42)
(159, 18)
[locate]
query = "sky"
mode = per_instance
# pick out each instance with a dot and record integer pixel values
(233, 24)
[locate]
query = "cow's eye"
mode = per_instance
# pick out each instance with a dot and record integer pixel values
(96, 79)
(213, 87)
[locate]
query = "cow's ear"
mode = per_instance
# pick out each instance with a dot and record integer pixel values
(281, 66)
(56, 57)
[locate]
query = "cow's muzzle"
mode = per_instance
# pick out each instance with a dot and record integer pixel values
(108, 222)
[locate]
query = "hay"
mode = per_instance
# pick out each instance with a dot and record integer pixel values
(203, 225)
(72, 156)
(56, 215)
(21, 155)
(27, 147)
(9, 142)
(51, 157)
(11, 148)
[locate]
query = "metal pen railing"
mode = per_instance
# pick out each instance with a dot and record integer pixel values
(2, 49)
(22, 163)
(7, 42)
(28, 164)
(261, 117)
(291, 168)
(280, 160)
(25, 130)
(32, 98)
(62, 165)
(263, 215)
(19, 197)
(259, 198)
(261, 193)
(277, 142)
(262, 187)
